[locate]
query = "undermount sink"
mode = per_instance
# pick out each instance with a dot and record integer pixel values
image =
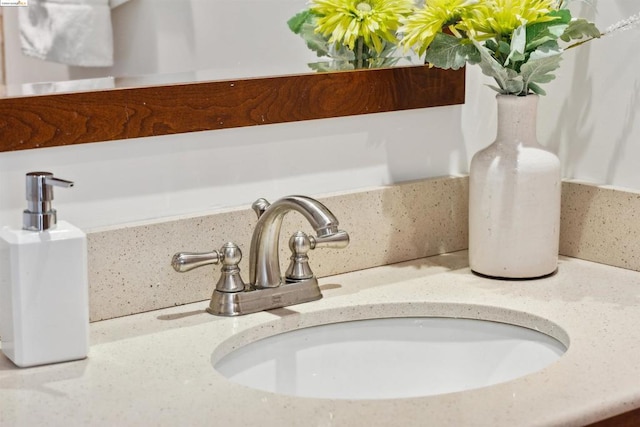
(390, 358)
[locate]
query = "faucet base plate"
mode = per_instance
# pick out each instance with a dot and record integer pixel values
(239, 303)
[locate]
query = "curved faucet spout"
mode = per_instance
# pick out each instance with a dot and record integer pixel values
(264, 263)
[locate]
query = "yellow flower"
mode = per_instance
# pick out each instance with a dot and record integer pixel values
(501, 17)
(422, 26)
(478, 19)
(375, 21)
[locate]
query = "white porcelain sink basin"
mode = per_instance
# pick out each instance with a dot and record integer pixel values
(390, 358)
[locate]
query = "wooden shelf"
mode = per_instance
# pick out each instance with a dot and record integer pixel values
(107, 115)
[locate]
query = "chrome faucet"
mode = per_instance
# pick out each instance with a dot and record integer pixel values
(264, 256)
(267, 288)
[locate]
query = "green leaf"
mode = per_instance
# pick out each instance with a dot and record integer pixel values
(297, 21)
(515, 84)
(316, 42)
(516, 49)
(536, 89)
(340, 53)
(543, 32)
(304, 24)
(503, 48)
(550, 49)
(328, 66)
(508, 80)
(563, 16)
(540, 71)
(448, 52)
(579, 28)
(540, 67)
(491, 45)
(497, 89)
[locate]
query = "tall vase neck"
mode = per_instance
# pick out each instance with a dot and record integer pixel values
(517, 118)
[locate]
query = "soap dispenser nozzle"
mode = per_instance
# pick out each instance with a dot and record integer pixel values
(40, 215)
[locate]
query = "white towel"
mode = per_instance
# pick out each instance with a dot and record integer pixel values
(72, 32)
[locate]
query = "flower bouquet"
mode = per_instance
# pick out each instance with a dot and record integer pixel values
(515, 182)
(353, 33)
(516, 42)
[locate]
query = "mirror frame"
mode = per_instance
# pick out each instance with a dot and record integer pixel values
(85, 117)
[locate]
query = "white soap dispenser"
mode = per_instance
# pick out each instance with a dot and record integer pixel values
(44, 301)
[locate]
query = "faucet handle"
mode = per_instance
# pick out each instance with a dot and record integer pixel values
(260, 206)
(299, 268)
(187, 261)
(300, 244)
(338, 240)
(230, 280)
(229, 255)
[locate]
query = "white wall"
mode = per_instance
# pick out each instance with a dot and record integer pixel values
(588, 117)
(154, 177)
(236, 38)
(593, 116)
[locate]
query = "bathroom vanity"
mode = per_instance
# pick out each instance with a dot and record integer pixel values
(157, 367)
(154, 365)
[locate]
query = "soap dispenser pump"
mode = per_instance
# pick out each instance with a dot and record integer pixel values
(40, 215)
(44, 293)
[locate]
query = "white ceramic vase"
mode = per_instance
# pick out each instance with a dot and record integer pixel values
(514, 198)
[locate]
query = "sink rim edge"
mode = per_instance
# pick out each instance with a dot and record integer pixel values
(290, 321)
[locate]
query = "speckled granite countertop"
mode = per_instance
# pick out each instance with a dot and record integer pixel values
(156, 368)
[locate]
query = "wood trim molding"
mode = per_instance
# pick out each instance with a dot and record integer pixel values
(627, 419)
(85, 117)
